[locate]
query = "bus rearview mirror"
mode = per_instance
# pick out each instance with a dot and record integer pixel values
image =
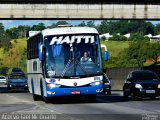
(105, 55)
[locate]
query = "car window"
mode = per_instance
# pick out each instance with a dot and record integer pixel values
(128, 77)
(16, 70)
(17, 77)
(145, 76)
(2, 77)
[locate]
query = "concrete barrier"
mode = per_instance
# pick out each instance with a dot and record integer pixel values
(80, 11)
(118, 76)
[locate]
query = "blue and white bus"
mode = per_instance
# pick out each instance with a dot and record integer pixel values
(65, 61)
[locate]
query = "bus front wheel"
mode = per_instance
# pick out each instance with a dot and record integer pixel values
(92, 98)
(46, 99)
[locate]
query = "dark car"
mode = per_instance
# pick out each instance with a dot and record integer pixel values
(17, 81)
(106, 85)
(141, 83)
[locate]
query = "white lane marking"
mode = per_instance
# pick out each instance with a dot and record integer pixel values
(43, 106)
(125, 109)
(33, 102)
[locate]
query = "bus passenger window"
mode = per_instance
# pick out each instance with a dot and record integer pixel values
(34, 65)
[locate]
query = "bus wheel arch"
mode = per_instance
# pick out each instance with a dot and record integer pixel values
(35, 97)
(41, 87)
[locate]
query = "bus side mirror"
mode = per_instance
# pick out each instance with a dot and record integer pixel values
(40, 51)
(105, 55)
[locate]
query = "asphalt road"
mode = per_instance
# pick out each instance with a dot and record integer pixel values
(20, 104)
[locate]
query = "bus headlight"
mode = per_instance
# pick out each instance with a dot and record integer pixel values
(96, 83)
(158, 86)
(138, 86)
(52, 80)
(53, 85)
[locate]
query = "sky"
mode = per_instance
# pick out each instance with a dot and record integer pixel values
(15, 23)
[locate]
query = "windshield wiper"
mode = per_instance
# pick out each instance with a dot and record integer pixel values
(67, 67)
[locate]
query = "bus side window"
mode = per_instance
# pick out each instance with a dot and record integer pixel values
(34, 65)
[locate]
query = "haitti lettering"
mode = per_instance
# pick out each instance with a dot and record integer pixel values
(70, 40)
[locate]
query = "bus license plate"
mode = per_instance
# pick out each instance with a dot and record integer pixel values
(75, 92)
(150, 91)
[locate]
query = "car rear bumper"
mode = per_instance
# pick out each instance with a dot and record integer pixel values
(147, 93)
(3, 81)
(18, 86)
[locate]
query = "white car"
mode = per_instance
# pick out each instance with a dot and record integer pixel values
(3, 79)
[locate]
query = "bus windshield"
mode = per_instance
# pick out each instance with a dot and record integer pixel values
(73, 55)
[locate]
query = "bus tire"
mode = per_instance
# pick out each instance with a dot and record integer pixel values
(92, 98)
(46, 99)
(41, 88)
(35, 97)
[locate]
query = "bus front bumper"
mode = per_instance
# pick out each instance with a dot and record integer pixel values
(91, 90)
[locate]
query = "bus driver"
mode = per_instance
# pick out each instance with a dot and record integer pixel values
(85, 58)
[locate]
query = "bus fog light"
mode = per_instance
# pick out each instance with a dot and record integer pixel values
(96, 83)
(53, 85)
(49, 92)
(98, 90)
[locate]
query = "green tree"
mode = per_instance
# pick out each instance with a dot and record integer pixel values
(90, 24)
(12, 32)
(153, 51)
(23, 30)
(52, 26)
(62, 22)
(82, 24)
(103, 38)
(157, 29)
(4, 70)
(137, 51)
(22, 61)
(4, 39)
(141, 26)
(137, 37)
(125, 26)
(39, 27)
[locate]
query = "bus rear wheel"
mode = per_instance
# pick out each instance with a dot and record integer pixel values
(35, 97)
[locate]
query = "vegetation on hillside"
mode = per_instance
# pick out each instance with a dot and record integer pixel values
(132, 53)
(123, 52)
